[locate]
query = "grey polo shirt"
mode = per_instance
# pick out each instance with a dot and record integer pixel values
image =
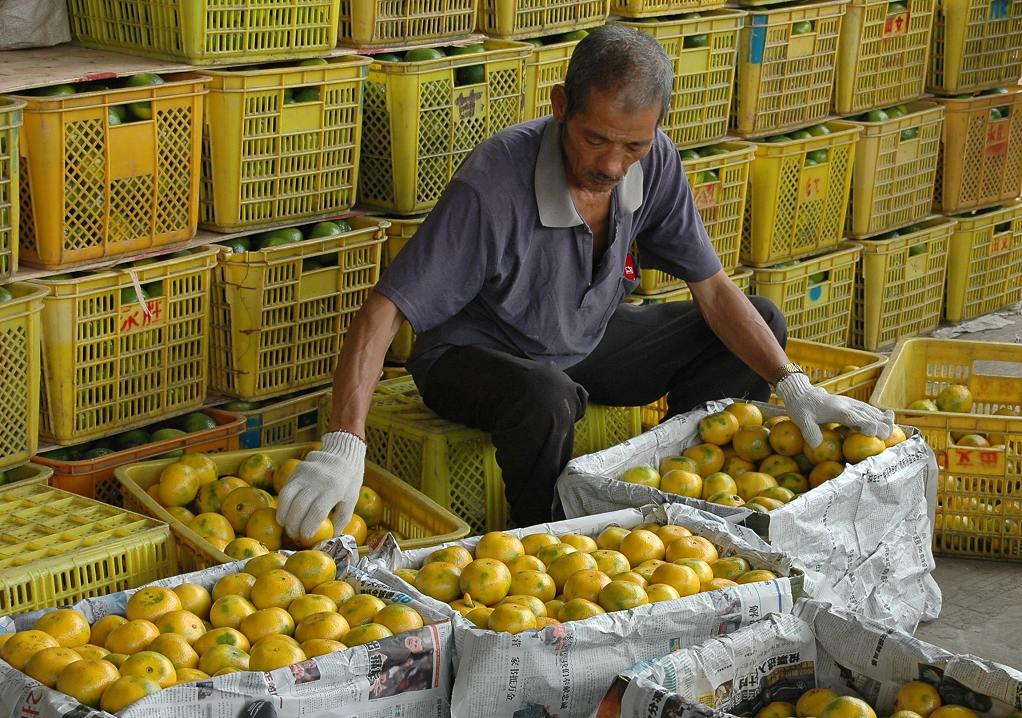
(504, 259)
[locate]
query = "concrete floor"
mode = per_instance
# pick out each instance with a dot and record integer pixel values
(982, 612)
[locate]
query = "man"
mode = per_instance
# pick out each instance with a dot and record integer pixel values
(514, 285)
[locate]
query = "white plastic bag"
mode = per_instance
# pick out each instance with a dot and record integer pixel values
(33, 23)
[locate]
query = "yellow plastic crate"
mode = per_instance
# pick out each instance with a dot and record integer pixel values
(205, 32)
(653, 8)
(898, 285)
(839, 370)
(419, 125)
(10, 205)
(785, 80)
(882, 57)
(112, 363)
(291, 420)
(27, 474)
(378, 23)
(421, 521)
(980, 152)
(521, 19)
(895, 169)
(704, 77)
(984, 269)
(544, 68)
(91, 191)
(796, 209)
(20, 336)
(979, 494)
(457, 466)
(266, 160)
(719, 184)
(977, 44)
(58, 548)
(277, 326)
(653, 413)
(815, 294)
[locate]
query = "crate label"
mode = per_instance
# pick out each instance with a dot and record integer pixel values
(802, 45)
(916, 267)
(999, 9)
(135, 317)
(818, 293)
(1000, 243)
(815, 183)
(896, 24)
(969, 460)
(470, 104)
(695, 61)
(997, 138)
(706, 195)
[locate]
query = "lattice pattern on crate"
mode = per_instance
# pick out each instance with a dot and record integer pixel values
(992, 250)
(14, 358)
(451, 122)
(886, 55)
(286, 172)
(897, 187)
(129, 367)
(534, 18)
(815, 296)
(785, 80)
(986, 44)
(648, 8)
(703, 76)
(981, 516)
(398, 22)
(909, 272)
(721, 204)
(544, 68)
(108, 206)
(205, 29)
(808, 203)
(9, 174)
(984, 166)
(284, 328)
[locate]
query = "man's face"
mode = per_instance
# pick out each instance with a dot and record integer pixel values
(414, 644)
(603, 138)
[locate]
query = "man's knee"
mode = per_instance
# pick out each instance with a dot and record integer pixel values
(772, 316)
(551, 395)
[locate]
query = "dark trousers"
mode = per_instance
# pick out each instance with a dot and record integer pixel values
(530, 408)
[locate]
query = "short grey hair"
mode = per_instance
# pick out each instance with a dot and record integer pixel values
(618, 58)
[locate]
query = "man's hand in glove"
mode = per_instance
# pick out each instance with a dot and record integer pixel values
(809, 406)
(326, 482)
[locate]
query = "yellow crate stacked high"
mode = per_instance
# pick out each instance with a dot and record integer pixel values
(281, 144)
(703, 50)
(10, 205)
(380, 23)
(422, 119)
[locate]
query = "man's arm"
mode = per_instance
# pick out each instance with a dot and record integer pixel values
(328, 481)
(732, 317)
(360, 362)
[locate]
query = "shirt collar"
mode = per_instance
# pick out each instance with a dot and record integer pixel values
(552, 196)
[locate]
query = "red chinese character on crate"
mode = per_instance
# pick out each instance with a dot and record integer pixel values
(997, 139)
(988, 458)
(705, 195)
(812, 187)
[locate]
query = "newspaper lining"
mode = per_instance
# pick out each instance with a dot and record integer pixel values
(565, 669)
(818, 645)
(867, 531)
(407, 675)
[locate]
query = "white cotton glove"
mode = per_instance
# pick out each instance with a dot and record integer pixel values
(809, 406)
(326, 482)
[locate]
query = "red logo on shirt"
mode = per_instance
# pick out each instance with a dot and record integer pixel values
(629, 268)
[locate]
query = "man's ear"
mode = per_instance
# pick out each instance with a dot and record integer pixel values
(559, 100)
